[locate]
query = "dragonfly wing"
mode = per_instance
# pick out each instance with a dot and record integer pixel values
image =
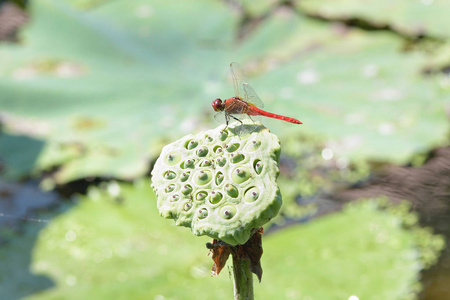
(239, 78)
(251, 97)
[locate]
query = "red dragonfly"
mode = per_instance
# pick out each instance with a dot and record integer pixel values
(245, 101)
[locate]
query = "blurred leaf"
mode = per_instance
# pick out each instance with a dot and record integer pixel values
(421, 17)
(113, 245)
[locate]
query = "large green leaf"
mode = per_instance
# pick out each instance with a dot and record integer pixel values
(113, 245)
(107, 87)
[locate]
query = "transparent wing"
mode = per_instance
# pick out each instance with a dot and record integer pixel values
(251, 97)
(238, 77)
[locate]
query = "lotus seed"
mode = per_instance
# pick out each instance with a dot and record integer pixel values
(228, 212)
(202, 213)
(258, 166)
(191, 144)
(190, 163)
(254, 145)
(209, 139)
(205, 163)
(170, 188)
(221, 161)
(203, 177)
(251, 195)
(240, 174)
(201, 195)
(185, 176)
(232, 147)
(237, 157)
(219, 178)
(202, 151)
(231, 190)
(215, 197)
(172, 159)
(169, 175)
(186, 190)
(218, 149)
(175, 198)
(187, 206)
(223, 135)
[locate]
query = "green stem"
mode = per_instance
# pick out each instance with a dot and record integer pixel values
(242, 278)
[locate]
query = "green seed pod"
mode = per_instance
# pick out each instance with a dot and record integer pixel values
(218, 183)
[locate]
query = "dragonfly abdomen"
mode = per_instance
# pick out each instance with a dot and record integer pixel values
(254, 111)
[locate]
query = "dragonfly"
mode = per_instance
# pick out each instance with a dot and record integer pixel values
(245, 102)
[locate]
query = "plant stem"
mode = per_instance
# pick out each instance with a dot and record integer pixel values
(242, 278)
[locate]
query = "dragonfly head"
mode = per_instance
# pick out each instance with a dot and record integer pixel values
(217, 105)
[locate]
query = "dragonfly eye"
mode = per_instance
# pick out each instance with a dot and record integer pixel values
(217, 105)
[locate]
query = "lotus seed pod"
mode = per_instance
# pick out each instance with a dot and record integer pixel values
(218, 183)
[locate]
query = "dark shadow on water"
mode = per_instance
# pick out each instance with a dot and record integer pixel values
(16, 257)
(20, 223)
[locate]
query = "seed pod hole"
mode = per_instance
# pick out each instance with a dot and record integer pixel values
(232, 147)
(202, 151)
(191, 144)
(258, 166)
(219, 178)
(231, 190)
(228, 212)
(206, 163)
(169, 175)
(218, 149)
(202, 213)
(237, 157)
(201, 195)
(172, 159)
(187, 206)
(254, 145)
(174, 198)
(186, 189)
(251, 194)
(223, 135)
(202, 177)
(215, 197)
(221, 161)
(188, 164)
(209, 139)
(240, 174)
(170, 188)
(185, 176)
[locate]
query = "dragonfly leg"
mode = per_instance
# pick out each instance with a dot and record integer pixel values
(237, 120)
